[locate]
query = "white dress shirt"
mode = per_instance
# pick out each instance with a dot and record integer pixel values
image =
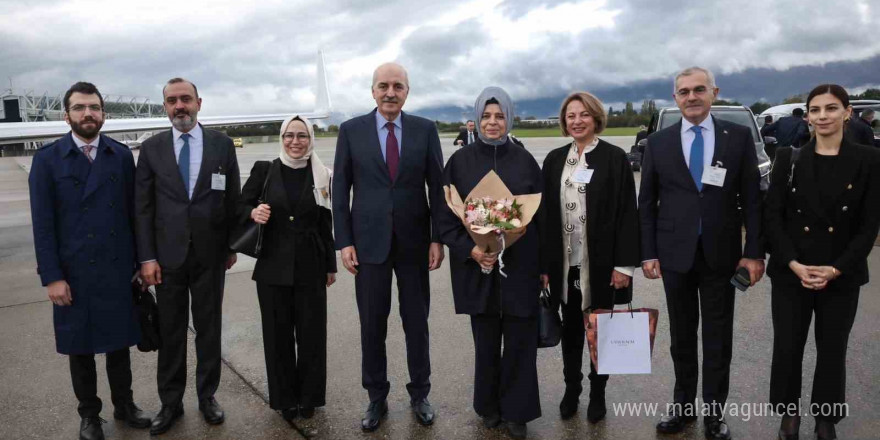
(196, 148)
(81, 143)
(687, 139)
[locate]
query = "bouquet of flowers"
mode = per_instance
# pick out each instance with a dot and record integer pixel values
(493, 217)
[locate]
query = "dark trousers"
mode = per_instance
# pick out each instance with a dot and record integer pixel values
(573, 337)
(295, 342)
(506, 383)
(203, 281)
(793, 307)
(85, 381)
(701, 291)
(373, 287)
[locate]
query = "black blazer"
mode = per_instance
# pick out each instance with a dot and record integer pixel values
(166, 219)
(612, 219)
(671, 209)
(380, 207)
(297, 241)
(463, 137)
(799, 227)
(859, 131)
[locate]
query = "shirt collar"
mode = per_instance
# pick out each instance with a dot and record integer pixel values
(196, 133)
(706, 124)
(381, 121)
(80, 143)
(587, 149)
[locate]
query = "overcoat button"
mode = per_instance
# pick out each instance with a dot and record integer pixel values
(291, 218)
(844, 209)
(806, 229)
(849, 186)
(831, 229)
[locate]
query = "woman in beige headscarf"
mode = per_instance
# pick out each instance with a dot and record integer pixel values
(296, 265)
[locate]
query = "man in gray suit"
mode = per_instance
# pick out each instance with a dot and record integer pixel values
(387, 157)
(186, 191)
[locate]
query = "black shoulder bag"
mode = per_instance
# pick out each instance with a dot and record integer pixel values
(249, 238)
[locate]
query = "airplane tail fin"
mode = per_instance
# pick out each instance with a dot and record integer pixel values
(322, 95)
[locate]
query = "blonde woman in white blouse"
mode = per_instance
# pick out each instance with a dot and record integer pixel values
(592, 241)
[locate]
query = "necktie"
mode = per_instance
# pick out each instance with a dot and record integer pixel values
(87, 150)
(392, 154)
(470, 137)
(696, 159)
(183, 161)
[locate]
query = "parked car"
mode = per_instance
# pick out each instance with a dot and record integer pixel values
(738, 114)
(238, 142)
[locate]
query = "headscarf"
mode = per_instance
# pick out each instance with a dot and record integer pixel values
(506, 105)
(320, 173)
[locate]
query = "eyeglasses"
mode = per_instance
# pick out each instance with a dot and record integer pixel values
(78, 108)
(698, 91)
(295, 136)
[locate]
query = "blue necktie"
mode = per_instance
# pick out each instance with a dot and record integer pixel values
(183, 161)
(696, 161)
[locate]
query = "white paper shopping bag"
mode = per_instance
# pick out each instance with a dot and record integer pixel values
(623, 343)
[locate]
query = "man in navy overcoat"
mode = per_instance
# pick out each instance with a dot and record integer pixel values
(82, 194)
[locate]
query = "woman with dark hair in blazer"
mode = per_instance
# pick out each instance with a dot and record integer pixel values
(296, 265)
(592, 236)
(821, 217)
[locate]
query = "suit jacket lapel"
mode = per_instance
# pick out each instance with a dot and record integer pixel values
(373, 144)
(805, 179)
(276, 190)
(209, 156)
(677, 156)
(408, 140)
(169, 160)
(722, 138)
(98, 167)
(79, 166)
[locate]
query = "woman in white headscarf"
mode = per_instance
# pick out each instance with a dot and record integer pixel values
(503, 309)
(296, 265)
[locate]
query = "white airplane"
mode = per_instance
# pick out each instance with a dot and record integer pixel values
(136, 143)
(19, 132)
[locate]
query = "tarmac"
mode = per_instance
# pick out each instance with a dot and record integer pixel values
(37, 400)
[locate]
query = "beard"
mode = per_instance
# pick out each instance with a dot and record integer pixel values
(86, 133)
(183, 124)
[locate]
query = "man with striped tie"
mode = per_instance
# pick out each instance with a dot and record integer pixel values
(186, 194)
(81, 193)
(694, 175)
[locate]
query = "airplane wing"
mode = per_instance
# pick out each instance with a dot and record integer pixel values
(18, 132)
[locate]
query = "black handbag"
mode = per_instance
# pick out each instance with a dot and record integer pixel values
(148, 315)
(249, 237)
(549, 323)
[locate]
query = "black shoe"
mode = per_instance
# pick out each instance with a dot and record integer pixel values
(423, 411)
(307, 412)
(789, 428)
(673, 423)
(90, 428)
(165, 419)
(825, 430)
(569, 404)
(373, 417)
(289, 414)
(516, 430)
(491, 421)
(132, 415)
(596, 409)
(212, 411)
(716, 429)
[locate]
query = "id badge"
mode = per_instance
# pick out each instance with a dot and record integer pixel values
(218, 182)
(582, 175)
(714, 176)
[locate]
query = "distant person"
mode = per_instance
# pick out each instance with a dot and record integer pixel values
(466, 137)
(295, 267)
(186, 202)
(790, 131)
(769, 147)
(859, 129)
(503, 309)
(692, 225)
(592, 233)
(768, 121)
(82, 196)
(390, 228)
(821, 218)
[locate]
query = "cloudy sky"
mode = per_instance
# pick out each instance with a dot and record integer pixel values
(259, 58)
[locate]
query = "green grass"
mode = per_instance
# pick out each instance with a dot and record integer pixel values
(555, 132)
